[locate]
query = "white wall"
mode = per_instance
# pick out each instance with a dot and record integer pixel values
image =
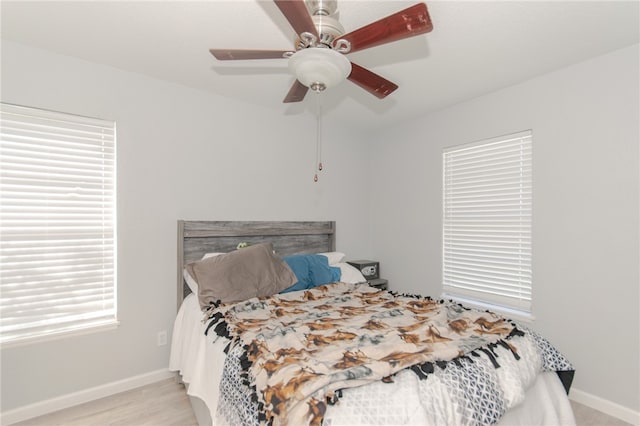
(585, 122)
(182, 154)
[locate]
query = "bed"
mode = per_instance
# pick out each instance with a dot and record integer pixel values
(236, 368)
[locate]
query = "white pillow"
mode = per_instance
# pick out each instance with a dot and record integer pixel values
(350, 274)
(333, 257)
(193, 285)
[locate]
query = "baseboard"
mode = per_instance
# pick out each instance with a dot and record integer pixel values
(606, 406)
(65, 401)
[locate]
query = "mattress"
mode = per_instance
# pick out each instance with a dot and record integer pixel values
(200, 359)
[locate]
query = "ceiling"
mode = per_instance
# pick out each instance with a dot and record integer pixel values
(475, 47)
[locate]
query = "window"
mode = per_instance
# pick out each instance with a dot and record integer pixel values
(487, 223)
(57, 223)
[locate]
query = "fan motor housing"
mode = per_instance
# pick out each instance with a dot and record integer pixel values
(321, 7)
(324, 14)
(329, 30)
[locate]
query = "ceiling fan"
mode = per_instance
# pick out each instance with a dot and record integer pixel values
(318, 60)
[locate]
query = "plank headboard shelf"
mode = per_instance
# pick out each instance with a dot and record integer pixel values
(195, 238)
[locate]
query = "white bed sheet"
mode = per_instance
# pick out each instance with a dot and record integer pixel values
(200, 359)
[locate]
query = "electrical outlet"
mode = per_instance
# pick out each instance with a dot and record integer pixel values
(162, 338)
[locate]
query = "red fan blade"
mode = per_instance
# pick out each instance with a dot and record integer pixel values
(371, 82)
(298, 16)
(232, 54)
(409, 22)
(296, 93)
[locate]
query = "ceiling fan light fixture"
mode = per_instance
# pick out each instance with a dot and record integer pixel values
(319, 68)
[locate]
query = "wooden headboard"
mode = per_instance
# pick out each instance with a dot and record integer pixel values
(195, 238)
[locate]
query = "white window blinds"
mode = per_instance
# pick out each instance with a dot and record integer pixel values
(57, 223)
(487, 222)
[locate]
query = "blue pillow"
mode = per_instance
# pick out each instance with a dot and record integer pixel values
(300, 267)
(321, 272)
(311, 270)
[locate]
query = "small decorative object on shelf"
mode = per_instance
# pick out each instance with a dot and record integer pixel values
(370, 269)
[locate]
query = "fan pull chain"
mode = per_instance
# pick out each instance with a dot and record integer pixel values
(318, 135)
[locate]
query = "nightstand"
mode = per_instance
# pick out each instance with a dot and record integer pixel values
(379, 283)
(370, 270)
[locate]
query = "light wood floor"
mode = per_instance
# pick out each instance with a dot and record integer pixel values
(163, 403)
(166, 404)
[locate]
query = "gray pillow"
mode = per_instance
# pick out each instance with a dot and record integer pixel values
(254, 271)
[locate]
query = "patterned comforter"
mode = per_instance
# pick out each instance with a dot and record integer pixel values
(292, 354)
